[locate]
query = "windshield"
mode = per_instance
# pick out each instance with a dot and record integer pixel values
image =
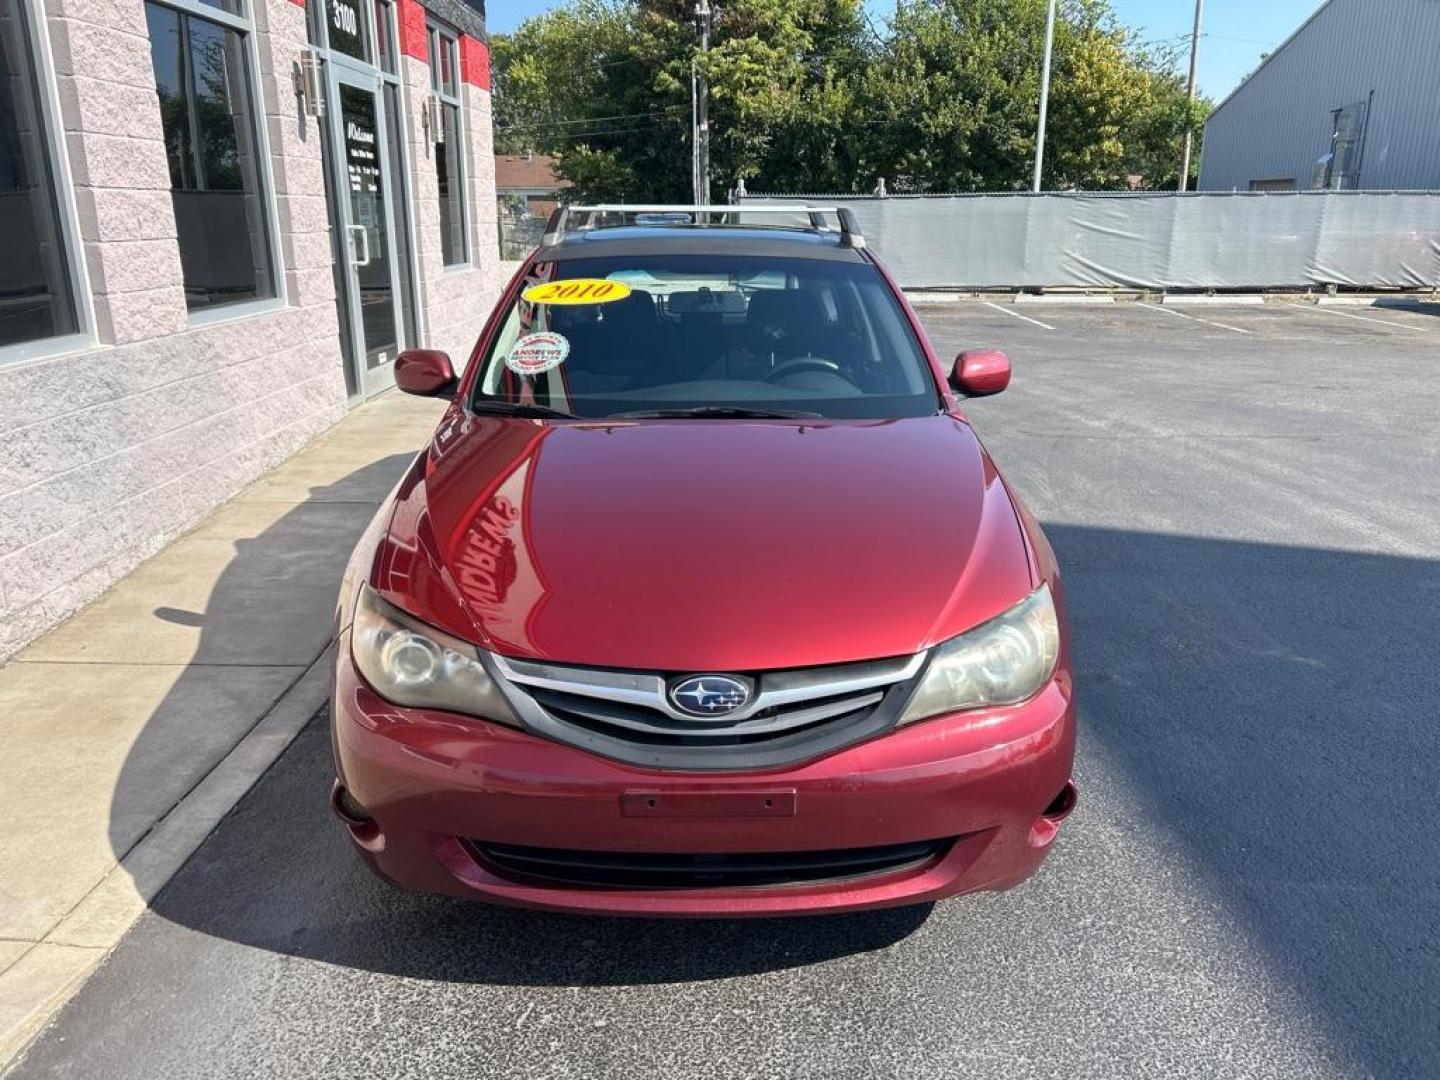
(706, 335)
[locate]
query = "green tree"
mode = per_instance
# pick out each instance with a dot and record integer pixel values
(954, 96)
(807, 96)
(604, 85)
(783, 75)
(1154, 140)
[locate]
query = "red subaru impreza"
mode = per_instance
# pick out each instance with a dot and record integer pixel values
(704, 599)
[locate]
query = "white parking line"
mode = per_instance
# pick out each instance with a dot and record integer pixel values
(1365, 318)
(1192, 318)
(1027, 318)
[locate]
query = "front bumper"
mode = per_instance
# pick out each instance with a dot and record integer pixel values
(435, 785)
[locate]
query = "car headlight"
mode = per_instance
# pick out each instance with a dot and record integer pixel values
(409, 663)
(1000, 662)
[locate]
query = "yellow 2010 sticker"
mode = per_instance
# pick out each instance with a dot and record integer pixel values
(577, 291)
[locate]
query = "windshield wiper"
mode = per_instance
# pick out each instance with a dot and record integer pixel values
(491, 407)
(733, 411)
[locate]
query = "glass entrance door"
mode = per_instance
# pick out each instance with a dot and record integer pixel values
(366, 212)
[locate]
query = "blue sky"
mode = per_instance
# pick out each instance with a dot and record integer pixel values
(1237, 31)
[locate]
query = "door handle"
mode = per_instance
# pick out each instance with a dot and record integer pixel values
(359, 242)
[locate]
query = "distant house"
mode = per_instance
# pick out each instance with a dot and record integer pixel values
(1348, 102)
(527, 189)
(528, 180)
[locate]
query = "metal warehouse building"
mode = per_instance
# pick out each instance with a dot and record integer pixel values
(1351, 100)
(221, 220)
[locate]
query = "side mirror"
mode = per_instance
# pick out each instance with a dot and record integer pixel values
(425, 372)
(980, 372)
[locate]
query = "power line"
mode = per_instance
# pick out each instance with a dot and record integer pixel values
(553, 137)
(622, 60)
(1173, 39)
(669, 109)
(1242, 40)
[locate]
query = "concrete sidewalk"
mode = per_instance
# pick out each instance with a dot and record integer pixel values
(132, 729)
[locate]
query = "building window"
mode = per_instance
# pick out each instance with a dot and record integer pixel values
(202, 79)
(37, 290)
(1347, 147)
(449, 146)
(346, 28)
(384, 36)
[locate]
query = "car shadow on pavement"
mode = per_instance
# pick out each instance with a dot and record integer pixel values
(268, 616)
(1271, 710)
(1422, 307)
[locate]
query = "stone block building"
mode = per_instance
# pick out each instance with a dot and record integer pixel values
(220, 221)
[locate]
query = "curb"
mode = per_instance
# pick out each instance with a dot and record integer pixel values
(1375, 301)
(1229, 300)
(1076, 299)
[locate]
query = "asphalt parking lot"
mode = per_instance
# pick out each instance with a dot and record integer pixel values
(1246, 505)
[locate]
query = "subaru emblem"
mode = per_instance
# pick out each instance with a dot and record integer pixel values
(710, 695)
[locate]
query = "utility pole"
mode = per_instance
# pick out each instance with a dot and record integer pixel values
(694, 135)
(1194, 71)
(1044, 95)
(700, 108)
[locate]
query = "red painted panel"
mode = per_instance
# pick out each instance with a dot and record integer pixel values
(411, 17)
(475, 62)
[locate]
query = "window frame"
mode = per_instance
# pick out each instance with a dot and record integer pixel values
(244, 25)
(392, 81)
(436, 35)
(72, 247)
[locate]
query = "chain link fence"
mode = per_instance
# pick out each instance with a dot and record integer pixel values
(519, 235)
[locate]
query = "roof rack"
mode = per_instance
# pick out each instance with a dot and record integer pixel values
(563, 216)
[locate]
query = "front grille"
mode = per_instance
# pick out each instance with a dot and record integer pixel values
(791, 715)
(643, 725)
(649, 870)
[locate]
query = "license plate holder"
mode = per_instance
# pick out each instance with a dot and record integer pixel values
(771, 802)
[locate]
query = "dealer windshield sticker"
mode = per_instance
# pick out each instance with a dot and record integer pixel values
(535, 354)
(577, 291)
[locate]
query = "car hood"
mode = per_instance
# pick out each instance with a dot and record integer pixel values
(706, 545)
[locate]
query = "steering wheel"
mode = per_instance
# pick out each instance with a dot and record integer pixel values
(808, 362)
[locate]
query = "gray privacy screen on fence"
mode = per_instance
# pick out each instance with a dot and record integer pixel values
(1153, 241)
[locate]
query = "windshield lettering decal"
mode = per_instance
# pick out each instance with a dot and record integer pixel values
(577, 291)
